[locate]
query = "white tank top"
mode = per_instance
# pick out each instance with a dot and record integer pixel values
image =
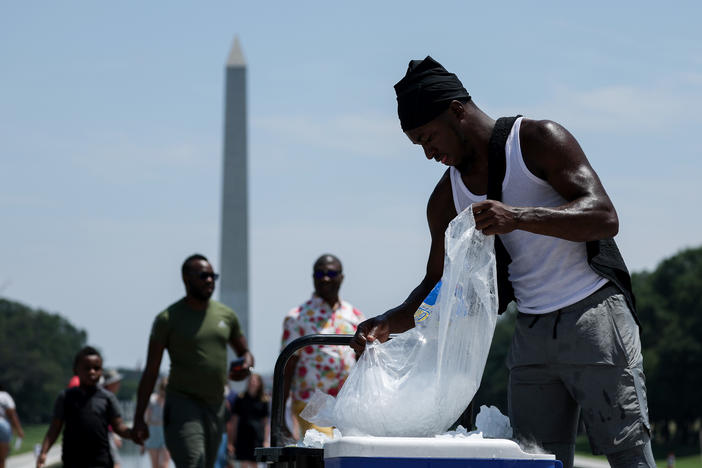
(547, 273)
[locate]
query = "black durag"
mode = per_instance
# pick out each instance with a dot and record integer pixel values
(425, 92)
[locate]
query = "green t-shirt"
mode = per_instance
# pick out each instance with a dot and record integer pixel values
(197, 345)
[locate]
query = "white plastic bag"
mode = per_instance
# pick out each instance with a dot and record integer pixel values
(419, 383)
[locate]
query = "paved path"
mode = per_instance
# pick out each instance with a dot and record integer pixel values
(586, 462)
(27, 460)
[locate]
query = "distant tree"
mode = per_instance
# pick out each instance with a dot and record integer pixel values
(36, 357)
(670, 309)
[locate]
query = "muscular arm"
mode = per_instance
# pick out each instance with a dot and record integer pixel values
(440, 212)
(146, 386)
(552, 154)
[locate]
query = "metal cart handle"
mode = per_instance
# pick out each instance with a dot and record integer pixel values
(278, 403)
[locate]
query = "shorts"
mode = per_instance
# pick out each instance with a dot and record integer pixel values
(5, 431)
(156, 438)
(193, 430)
(586, 356)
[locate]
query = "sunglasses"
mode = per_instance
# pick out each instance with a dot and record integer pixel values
(205, 274)
(319, 274)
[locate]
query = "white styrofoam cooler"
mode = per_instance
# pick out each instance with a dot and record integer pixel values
(369, 452)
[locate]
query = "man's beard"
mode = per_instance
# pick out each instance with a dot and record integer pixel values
(201, 295)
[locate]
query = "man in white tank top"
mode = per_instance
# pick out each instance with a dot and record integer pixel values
(576, 344)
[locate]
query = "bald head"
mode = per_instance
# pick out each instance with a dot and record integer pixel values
(327, 258)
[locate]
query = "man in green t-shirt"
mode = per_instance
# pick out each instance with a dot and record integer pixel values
(195, 331)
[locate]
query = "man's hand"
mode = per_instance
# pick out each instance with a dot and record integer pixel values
(493, 217)
(41, 459)
(130, 435)
(140, 431)
(242, 371)
(376, 328)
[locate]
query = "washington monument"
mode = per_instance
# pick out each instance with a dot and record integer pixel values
(234, 239)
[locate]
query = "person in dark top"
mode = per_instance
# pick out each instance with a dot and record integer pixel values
(195, 331)
(250, 422)
(86, 411)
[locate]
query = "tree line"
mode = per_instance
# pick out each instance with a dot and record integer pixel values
(36, 357)
(37, 349)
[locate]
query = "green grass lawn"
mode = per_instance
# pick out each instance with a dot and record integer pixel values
(33, 434)
(683, 462)
(691, 461)
(687, 458)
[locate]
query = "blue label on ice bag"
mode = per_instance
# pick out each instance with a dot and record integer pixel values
(427, 306)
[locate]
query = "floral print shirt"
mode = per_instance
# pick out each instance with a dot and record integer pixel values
(320, 367)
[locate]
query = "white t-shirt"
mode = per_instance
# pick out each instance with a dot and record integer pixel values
(6, 402)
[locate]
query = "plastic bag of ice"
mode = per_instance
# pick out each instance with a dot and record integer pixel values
(419, 383)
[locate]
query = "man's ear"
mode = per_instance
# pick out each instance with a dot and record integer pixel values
(457, 109)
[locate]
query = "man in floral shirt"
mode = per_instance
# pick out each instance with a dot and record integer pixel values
(319, 367)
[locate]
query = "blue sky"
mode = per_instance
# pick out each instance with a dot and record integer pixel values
(111, 122)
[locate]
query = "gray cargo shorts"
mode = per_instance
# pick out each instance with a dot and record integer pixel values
(585, 356)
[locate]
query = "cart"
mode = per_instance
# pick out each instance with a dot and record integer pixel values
(281, 456)
(277, 454)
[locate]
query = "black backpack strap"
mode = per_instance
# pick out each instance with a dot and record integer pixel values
(496, 156)
(496, 174)
(606, 260)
